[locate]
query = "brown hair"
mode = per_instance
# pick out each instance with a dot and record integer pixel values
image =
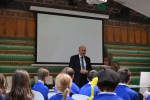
(63, 84)
(124, 75)
(68, 71)
(2, 87)
(21, 89)
(91, 74)
(42, 73)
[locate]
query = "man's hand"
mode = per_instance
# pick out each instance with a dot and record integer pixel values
(83, 71)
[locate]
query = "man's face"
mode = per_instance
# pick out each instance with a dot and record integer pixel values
(82, 51)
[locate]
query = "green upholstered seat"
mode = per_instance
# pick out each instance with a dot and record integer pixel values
(32, 81)
(131, 59)
(30, 69)
(135, 80)
(122, 45)
(16, 57)
(17, 47)
(16, 40)
(110, 51)
(121, 51)
(137, 68)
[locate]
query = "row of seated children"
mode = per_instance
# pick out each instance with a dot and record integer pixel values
(107, 83)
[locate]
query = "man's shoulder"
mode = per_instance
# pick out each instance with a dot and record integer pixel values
(77, 55)
(86, 57)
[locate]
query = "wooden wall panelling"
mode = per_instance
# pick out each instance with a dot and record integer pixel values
(1, 26)
(21, 25)
(144, 34)
(10, 24)
(137, 34)
(148, 34)
(20, 28)
(31, 25)
(117, 32)
(110, 31)
(124, 34)
(105, 31)
(105, 34)
(2, 22)
(131, 33)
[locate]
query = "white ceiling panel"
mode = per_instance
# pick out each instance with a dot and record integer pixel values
(141, 6)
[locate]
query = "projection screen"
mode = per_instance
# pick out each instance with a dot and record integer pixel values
(60, 36)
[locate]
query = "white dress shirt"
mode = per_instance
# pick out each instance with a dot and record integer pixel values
(83, 62)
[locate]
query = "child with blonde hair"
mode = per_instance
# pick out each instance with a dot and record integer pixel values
(63, 84)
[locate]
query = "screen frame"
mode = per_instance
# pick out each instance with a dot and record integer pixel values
(69, 15)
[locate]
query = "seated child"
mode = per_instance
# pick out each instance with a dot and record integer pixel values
(107, 83)
(87, 87)
(127, 94)
(2, 87)
(74, 88)
(21, 88)
(39, 86)
(63, 85)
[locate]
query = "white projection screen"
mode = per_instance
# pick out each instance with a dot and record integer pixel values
(60, 36)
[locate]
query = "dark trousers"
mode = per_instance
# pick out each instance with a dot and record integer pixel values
(83, 80)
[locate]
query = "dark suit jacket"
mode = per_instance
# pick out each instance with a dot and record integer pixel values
(75, 65)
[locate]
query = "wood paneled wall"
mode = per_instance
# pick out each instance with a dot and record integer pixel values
(21, 24)
(17, 24)
(120, 32)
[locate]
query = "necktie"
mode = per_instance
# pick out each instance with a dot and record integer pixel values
(82, 62)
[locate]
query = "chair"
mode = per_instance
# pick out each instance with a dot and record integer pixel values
(36, 79)
(80, 97)
(144, 80)
(50, 95)
(9, 82)
(37, 95)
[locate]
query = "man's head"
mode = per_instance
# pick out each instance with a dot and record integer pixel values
(124, 75)
(82, 50)
(91, 74)
(42, 74)
(108, 80)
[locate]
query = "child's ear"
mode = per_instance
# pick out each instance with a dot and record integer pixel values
(45, 79)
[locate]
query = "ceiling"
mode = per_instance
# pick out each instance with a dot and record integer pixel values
(137, 9)
(141, 6)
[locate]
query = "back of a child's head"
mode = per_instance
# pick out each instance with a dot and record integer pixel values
(42, 73)
(63, 83)
(91, 74)
(108, 80)
(2, 86)
(124, 75)
(68, 71)
(21, 89)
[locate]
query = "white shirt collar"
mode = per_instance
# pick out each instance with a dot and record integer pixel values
(89, 83)
(107, 93)
(41, 81)
(61, 93)
(123, 84)
(80, 56)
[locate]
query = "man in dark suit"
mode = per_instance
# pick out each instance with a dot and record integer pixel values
(81, 64)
